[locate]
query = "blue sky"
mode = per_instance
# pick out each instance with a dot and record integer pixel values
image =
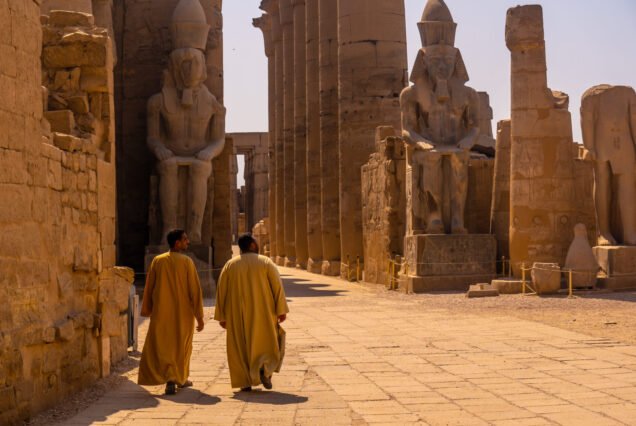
(588, 42)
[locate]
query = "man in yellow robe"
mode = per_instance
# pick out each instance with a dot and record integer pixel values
(250, 304)
(173, 300)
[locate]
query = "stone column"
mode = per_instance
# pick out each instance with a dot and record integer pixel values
(260, 189)
(300, 133)
(265, 24)
(314, 228)
(214, 48)
(500, 208)
(542, 179)
(278, 220)
(372, 69)
(289, 199)
(328, 64)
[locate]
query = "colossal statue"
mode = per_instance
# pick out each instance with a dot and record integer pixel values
(440, 123)
(608, 120)
(185, 121)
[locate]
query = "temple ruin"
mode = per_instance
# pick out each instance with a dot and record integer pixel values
(113, 124)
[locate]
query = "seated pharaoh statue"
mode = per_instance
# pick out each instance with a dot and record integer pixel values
(440, 124)
(186, 123)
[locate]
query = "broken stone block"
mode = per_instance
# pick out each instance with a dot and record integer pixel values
(61, 121)
(65, 331)
(546, 277)
(94, 79)
(67, 142)
(580, 260)
(74, 55)
(482, 290)
(78, 104)
(67, 18)
(65, 285)
(508, 285)
(48, 335)
(110, 319)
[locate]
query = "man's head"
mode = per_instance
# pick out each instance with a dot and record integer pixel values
(247, 244)
(178, 240)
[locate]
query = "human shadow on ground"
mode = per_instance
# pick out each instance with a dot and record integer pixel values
(126, 396)
(191, 396)
(270, 397)
(295, 287)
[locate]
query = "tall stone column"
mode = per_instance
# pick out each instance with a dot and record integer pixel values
(300, 133)
(500, 207)
(314, 228)
(372, 69)
(214, 49)
(265, 24)
(330, 174)
(272, 7)
(289, 199)
(542, 184)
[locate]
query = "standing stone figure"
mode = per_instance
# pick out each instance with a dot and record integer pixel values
(608, 119)
(185, 121)
(440, 122)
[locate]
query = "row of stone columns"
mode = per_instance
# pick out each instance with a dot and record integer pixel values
(336, 71)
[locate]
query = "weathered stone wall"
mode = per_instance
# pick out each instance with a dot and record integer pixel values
(58, 286)
(383, 204)
(144, 45)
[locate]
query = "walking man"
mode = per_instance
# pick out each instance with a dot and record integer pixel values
(250, 303)
(172, 300)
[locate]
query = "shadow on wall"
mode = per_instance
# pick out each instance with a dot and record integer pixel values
(303, 288)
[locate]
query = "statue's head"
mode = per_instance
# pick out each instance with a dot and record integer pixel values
(440, 62)
(188, 68)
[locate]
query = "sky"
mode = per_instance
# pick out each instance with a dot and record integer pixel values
(588, 42)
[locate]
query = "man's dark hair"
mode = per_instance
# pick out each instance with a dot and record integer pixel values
(245, 241)
(174, 236)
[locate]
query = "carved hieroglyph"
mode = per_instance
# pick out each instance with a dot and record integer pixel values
(543, 205)
(440, 123)
(608, 119)
(185, 121)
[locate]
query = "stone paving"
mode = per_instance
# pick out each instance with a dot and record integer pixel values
(356, 356)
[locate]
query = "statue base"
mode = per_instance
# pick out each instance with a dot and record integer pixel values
(448, 262)
(314, 266)
(330, 268)
(201, 256)
(618, 263)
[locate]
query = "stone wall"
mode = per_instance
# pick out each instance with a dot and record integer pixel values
(144, 45)
(383, 204)
(60, 321)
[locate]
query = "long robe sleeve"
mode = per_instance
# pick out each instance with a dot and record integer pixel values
(278, 293)
(196, 294)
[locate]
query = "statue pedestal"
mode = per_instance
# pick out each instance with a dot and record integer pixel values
(618, 263)
(202, 261)
(448, 262)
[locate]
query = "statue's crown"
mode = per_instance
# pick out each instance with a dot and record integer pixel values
(437, 25)
(189, 26)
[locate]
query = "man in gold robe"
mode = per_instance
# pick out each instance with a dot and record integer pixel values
(173, 300)
(250, 304)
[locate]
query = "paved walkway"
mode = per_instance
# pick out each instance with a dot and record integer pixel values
(357, 356)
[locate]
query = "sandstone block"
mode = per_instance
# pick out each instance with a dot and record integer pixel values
(508, 285)
(65, 331)
(65, 285)
(78, 104)
(95, 79)
(482, 290)
(61, 121)
(110, 319)
(69, 18)
(48, 335)
(75, 55)
(546, 277)
(67, 142)
(619, 264)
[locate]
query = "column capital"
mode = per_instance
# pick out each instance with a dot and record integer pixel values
(264, 23)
